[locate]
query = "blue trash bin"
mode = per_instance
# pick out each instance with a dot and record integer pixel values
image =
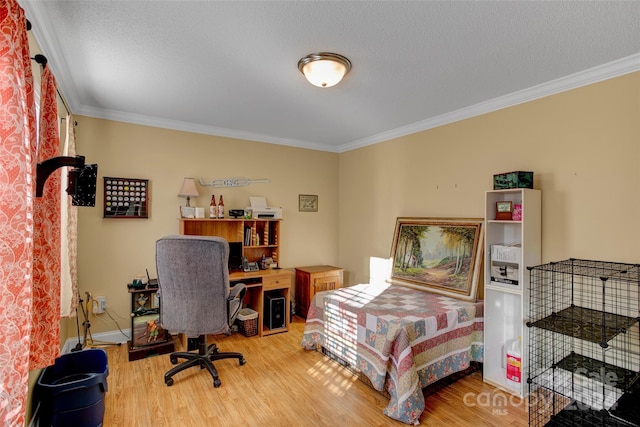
(71, 391)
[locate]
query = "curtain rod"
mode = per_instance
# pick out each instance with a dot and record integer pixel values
(42, 60)
(64, 103)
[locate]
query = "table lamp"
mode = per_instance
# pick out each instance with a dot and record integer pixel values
(188, 190)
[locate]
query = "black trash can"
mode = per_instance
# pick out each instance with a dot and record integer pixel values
(71, 391)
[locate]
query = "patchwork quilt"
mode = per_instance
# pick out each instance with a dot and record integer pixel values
(401, 339)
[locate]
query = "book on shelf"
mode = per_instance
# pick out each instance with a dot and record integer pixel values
(505, 264)
(247, 236)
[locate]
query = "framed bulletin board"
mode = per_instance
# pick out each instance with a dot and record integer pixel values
(126, 198)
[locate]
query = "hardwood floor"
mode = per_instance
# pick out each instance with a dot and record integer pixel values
(282, 385)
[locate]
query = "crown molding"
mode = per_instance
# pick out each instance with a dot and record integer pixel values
(600, 73)
(48, 43)
(597, 74)
(178, 125)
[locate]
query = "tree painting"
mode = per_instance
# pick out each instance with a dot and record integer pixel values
(437, 253)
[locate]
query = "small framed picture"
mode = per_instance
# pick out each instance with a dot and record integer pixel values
(307, 203)
(504, 210)
(155, 300)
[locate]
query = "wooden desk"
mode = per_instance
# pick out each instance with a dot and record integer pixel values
(259, 283)
(260, 237)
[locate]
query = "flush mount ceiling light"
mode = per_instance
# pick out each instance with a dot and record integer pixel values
(324, 69)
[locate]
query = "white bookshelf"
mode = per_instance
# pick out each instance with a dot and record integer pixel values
(506, 305)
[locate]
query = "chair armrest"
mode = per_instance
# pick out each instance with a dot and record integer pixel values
(238, 291)
(234, 301)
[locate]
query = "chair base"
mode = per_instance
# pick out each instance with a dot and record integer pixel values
(203, 358)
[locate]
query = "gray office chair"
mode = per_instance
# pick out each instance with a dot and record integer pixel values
(195, 299)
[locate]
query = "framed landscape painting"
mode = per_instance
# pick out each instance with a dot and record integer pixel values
(441, 255)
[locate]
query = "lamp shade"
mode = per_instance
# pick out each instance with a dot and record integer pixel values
(324, 69)
(188, 189)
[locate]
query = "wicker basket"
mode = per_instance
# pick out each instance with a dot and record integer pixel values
(247, 322)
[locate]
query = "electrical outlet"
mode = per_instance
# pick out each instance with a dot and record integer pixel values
(100, 305)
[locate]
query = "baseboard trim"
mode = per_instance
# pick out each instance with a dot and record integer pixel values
(106, 338)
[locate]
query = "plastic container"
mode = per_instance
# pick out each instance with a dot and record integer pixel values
(71, 391)
(247, 321)
(514, 363)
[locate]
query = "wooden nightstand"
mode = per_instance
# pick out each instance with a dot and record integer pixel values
(310, 280)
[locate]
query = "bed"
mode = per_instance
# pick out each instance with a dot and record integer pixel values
(400, 339)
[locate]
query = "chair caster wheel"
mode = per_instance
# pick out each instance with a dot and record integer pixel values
(242, 361)
(168, 382)
(217, 383)
(173, 360)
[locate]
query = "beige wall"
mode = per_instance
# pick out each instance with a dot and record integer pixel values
(112, 251)
(583, 146)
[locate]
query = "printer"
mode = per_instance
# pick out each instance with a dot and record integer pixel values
(260, 209)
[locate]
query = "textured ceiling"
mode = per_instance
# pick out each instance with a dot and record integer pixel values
(229, 68)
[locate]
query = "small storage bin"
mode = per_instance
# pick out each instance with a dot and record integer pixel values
(71, 391)
(247, 321)
(517, 179)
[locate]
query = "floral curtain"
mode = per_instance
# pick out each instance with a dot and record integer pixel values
(45, 334)
(17, 187)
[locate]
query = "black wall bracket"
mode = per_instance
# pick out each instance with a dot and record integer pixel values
(82, 179)
(47, 167)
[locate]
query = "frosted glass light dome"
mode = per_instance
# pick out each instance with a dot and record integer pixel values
(324, 69)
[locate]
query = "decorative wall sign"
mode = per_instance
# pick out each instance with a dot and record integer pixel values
(231, 182)
(126, 198)
(307, 203)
